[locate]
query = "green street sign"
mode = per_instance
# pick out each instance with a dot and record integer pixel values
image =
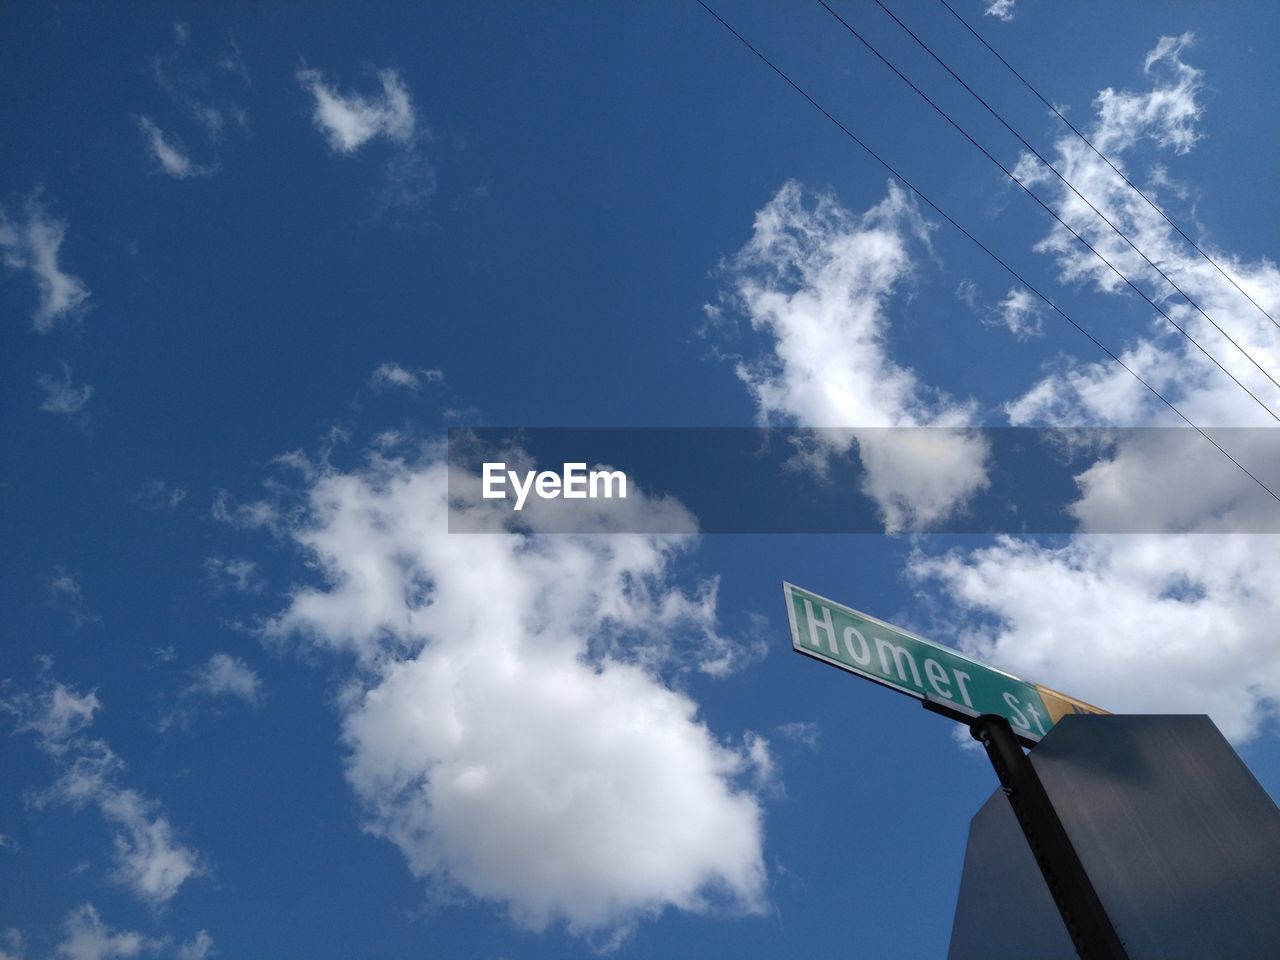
(951, 682)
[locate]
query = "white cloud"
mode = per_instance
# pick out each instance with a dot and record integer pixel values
(1174, 481)
(61, 395)
(1167, 113)
(761, 762)
(149, 860)
(200, 947)
(86, 937)
(227, 676)
(11, 944)
(169, 153)
(1172, 624)
(348, 122)
(159, 496)
(221, 677)
(238, 573)
(245, 516)
(817, 281)
(499, 675)
(33, 245)
(55, 715)
(1000, 9)
(65, 593)
(801, 732)
(394, 375)
(1100, 393)
(1019, 311)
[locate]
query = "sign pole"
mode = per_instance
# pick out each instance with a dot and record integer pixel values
(1082, 912)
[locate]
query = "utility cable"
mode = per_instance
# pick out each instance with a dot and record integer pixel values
(1039, 156)
(1029, 192)
(1120, 173)
(979, 244)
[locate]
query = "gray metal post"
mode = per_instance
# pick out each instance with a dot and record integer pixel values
(1082, 912)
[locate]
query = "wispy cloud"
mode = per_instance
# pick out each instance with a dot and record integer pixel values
(394, 375)
(169, 153)
(1000, 9)
(149, 859)
(86, 937)
(222, 677)
(192, 84)
(226, 676)
(65, 594)
(257, 513)
(33, 244)
(1019, 313)
(801, 732)
(237, 573)
(61, 395)
(349, 121)
(160, 496)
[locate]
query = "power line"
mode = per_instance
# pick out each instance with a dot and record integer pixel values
(1105, 219)
(978, 243)
(1090, 247)
(1151, 203)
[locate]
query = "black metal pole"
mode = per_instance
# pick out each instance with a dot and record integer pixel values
(1082, 912)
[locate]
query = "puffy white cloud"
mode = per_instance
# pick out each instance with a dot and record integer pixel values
(33, 244)
(149, 860)
(348, 122)
(169, 154)
(1170, 624)
(1174, 481)
(1173, 623)
(817, 280)
(508, 728)
(1000, 9)
(61, 395)
(1101, 391)
(86, 937)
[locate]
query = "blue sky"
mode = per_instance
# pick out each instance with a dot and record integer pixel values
(257, 701)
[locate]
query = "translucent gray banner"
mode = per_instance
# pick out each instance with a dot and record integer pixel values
(867, 480)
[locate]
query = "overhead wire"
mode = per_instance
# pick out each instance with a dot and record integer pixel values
(978, 243)
(1105, 159)
(1053, 213)
(1039, 156)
